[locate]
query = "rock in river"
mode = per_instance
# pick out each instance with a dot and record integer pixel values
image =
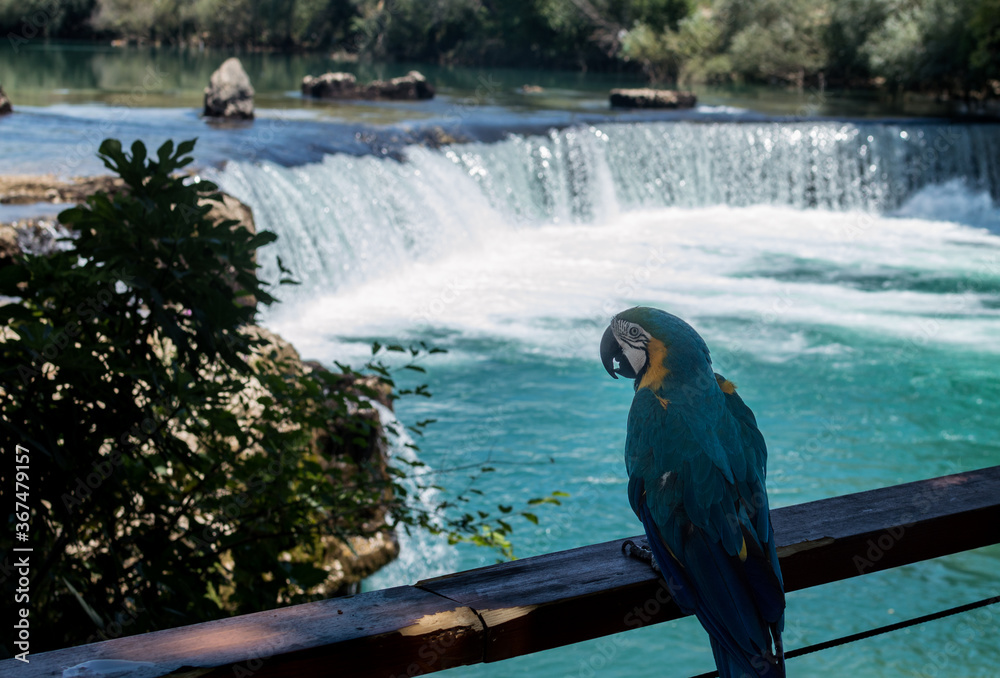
(410, 87)
(652, 98)
(229, 94)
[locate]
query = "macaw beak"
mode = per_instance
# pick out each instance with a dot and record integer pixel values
(611, 351)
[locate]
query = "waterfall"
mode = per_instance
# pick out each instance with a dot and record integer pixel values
(349, 219)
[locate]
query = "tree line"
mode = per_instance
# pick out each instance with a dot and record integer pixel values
(948, 46)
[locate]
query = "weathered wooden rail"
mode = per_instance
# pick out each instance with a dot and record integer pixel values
(534, 604)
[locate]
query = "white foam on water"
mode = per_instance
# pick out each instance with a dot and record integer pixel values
(953, 201)
(551, 288)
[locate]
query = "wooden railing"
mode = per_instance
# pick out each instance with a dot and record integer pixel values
(502, 611)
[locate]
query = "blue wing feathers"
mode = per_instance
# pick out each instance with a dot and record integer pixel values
(696, 481)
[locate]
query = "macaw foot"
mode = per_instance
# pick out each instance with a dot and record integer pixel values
(640, 551)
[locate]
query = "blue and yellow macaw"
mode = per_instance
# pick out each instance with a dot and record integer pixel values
(696, 466)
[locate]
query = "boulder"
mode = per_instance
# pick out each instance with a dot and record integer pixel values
(5, 106)
(652, 98)
(410, 87)
(229, 94)
(331, 86)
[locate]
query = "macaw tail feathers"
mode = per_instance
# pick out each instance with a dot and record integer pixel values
(731, 666)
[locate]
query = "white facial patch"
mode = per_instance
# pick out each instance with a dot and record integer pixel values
(636, 356)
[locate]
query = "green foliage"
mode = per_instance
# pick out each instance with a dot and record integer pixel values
(984, 25)
(690, 51)
(851, 24)
(923, 44)
(183, 466)
(657, 52)
(22, 20)
(779, 39)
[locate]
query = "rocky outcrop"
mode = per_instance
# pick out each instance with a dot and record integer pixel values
(5, 106)
(229, 93)
(652, 98)
(410, 87)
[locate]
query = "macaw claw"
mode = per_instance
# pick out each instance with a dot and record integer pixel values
(640, 551)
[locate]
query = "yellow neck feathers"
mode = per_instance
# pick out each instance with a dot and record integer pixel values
(656, 354)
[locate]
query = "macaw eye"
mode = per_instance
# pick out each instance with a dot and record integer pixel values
(633, 332)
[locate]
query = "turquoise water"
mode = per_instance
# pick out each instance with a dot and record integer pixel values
(845, 274)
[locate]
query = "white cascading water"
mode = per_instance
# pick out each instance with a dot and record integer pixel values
(350, 219)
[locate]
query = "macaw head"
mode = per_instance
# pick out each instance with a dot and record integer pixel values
(647, 344)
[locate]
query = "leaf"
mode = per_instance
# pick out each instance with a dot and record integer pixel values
(138, 152)
(505, 509)
(530, 516)
(164, 151)
(111, 148)
(186, 147)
